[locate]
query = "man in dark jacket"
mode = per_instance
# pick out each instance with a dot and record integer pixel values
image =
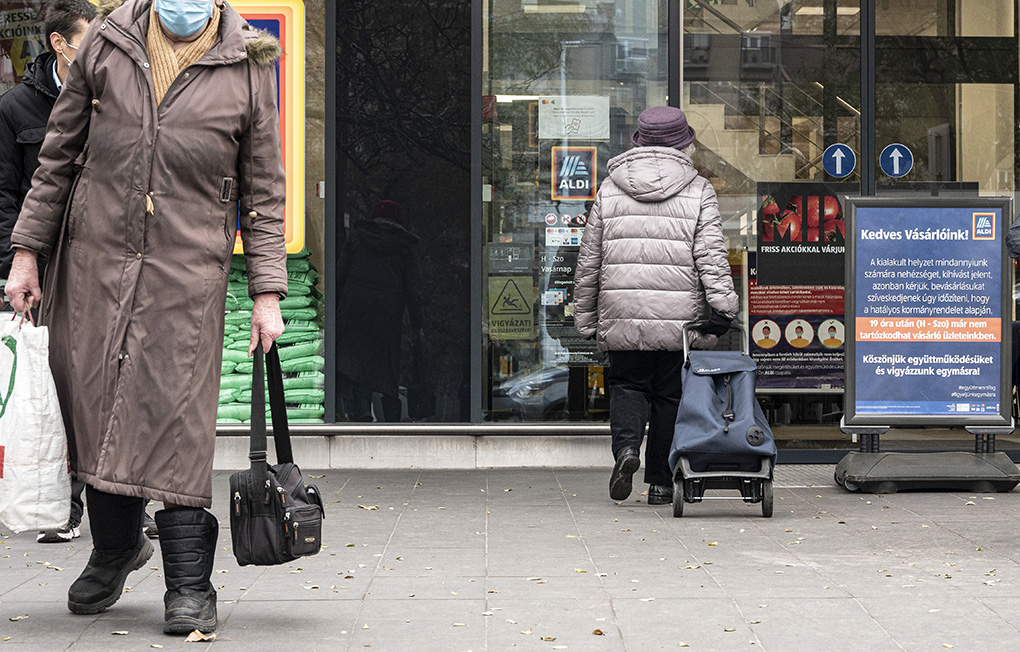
(24, 111)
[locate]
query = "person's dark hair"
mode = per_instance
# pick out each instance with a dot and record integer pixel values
(62, 16)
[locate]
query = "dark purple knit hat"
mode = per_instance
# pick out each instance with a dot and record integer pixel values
(663, 126)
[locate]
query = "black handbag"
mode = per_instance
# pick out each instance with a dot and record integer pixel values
(421, 393)
(274, 517)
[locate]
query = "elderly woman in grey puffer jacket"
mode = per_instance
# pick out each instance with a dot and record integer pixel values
(652, 259)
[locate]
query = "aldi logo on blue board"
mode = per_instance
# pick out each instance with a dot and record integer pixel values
(573, 173)
(984, 226)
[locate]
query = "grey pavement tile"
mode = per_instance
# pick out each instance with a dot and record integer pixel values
(798, 624)
(921, 625)
(435, 587)
(525, 624)
(414, 624)
(701, 623)
(416, 561)
(284, 625)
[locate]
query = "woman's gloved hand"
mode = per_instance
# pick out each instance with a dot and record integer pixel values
(717, 324)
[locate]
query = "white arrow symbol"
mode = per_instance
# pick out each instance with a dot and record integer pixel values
(895, 155)
(838, 155)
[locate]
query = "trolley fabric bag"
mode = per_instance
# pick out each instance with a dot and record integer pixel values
(35, 477)
(274, 517)
(719, 422)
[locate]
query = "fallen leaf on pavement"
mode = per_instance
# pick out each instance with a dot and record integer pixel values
(17, 618)
(598, 632)
(120, 632)
(323, 476)
(197, 637)
(527, 632)
(370, 508)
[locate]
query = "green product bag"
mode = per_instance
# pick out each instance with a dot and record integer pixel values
(237, 289)
(305, 380)
(239, 345)
(295, 351)
(239, 411)
(299, 313)
(297, 337)
(234, 355)
(237, 262)
(301, 325)
(225, 420)
(227, 367)
(245, 368)
(227, 396)
(311, 363)
(236, 381)
(291, 303)
(304, 396)
(308, 421)
(298, 290)
(292, 396)
(239, 303)
(298, 265)
(306, 411)
(238, 317)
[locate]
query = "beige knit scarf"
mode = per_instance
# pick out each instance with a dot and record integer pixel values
(166, 63)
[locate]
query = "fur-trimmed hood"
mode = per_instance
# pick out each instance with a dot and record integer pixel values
(260, 46)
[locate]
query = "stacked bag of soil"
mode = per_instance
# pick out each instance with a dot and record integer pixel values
(300, 345)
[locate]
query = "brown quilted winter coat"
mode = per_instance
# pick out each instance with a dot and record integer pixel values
(136, 205)
(652, 256)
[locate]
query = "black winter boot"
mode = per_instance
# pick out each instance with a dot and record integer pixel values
(187, 539)
(119, 547)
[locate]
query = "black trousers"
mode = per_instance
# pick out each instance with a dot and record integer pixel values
(644, 387)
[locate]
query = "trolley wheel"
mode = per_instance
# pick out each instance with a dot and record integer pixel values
(678, 497)
(835, 478)
(766, 498)
(850, 486)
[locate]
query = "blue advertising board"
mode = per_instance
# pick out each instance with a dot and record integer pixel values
(926, 310)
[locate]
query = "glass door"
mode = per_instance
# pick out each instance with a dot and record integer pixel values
(563, 83)
(769, 88)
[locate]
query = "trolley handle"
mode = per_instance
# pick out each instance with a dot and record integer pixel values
(695, 325)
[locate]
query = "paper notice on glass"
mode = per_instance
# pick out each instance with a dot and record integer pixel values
(578, 117)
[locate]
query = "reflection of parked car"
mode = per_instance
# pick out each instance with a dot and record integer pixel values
(536, 396)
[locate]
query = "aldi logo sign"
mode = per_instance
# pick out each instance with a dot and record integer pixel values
(573, 173)
(984, 226)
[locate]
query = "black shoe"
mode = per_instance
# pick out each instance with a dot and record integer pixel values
(659, 494)
(101, 583)
(149, 526)
(627, 463)
(188, 543)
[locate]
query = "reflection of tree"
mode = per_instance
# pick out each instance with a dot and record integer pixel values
(404, 133)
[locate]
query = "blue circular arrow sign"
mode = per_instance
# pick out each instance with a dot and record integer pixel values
(839, 160)
(896, 160)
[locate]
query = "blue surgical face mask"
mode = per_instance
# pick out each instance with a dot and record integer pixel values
(184, 18)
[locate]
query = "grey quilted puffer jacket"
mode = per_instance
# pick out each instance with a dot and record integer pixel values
(653, 256)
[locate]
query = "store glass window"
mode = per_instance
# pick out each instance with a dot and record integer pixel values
(403, 274)
(769, 87)
(563, 84)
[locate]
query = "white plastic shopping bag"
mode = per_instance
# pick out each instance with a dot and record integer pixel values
(35, 480)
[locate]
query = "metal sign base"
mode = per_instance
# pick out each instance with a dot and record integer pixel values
(982, 471)
(891, 472)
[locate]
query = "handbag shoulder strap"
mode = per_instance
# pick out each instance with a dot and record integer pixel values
(263, 365)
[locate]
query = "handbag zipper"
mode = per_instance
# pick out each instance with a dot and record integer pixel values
(237, 503)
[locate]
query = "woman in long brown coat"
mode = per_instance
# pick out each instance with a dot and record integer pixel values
(167, 120)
